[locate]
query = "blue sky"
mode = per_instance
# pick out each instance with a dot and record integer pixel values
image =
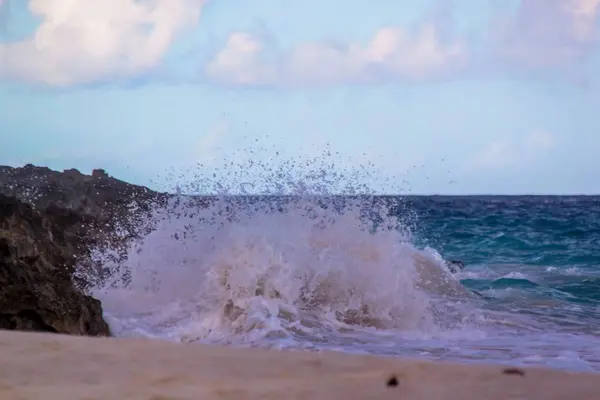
(437, 96)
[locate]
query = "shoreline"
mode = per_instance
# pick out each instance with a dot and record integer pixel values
(53, 366)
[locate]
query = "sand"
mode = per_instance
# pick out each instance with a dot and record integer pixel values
(47, 366)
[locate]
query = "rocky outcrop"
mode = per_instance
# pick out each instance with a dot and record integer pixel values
(97, 195)
(37, 291)
(49, 223)
(95, 211)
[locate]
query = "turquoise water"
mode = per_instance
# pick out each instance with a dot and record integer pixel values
(536, 230)
(540, 247)
(534, 257)
(367, 275)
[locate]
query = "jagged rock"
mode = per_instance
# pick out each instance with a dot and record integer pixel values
(96, 212)
(98, 195)
(50, 223)
(37, 292)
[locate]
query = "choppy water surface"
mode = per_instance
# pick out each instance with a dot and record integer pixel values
(367, 275)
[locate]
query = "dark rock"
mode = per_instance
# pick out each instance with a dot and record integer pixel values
(37, 291)
(99, 195)
(49, 224)
(455, 266)
(99, 174)
(95, 212)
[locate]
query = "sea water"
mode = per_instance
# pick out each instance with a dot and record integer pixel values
(367, 274)
(301, 254)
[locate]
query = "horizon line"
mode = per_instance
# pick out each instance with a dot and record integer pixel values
(400, 194)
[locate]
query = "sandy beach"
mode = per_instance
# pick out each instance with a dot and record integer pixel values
(49, 366)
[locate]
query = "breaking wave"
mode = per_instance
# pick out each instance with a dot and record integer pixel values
(282, 270)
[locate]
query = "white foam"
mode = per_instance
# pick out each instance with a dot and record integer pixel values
(303, 270)
(304, 275)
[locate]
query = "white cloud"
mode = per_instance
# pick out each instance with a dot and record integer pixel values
(240, 62)
(84, 41)
(393, 53)
(91, 41)
(513, 153)
(547, 33)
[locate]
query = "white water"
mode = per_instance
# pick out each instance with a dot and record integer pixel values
(278, 277)
(302, 275)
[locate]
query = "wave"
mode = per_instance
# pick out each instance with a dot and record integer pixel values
(313, 270)
(246, 270)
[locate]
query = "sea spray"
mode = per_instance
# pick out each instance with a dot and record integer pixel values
(315, 257)
(239, 270)
(305, 268)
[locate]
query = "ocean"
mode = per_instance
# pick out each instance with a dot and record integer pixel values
(367, 274)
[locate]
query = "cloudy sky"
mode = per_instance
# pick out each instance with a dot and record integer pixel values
(426, 96)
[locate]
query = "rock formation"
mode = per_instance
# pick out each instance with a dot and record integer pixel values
(36, 267)
(95, 211)
(49, 222)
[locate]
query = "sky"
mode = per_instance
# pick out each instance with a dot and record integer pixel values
(422, 97)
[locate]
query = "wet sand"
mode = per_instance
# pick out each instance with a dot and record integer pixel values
(46, 366)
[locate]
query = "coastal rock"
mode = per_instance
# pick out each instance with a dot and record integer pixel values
(94, 211)
(37, 291)
(99, 196)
